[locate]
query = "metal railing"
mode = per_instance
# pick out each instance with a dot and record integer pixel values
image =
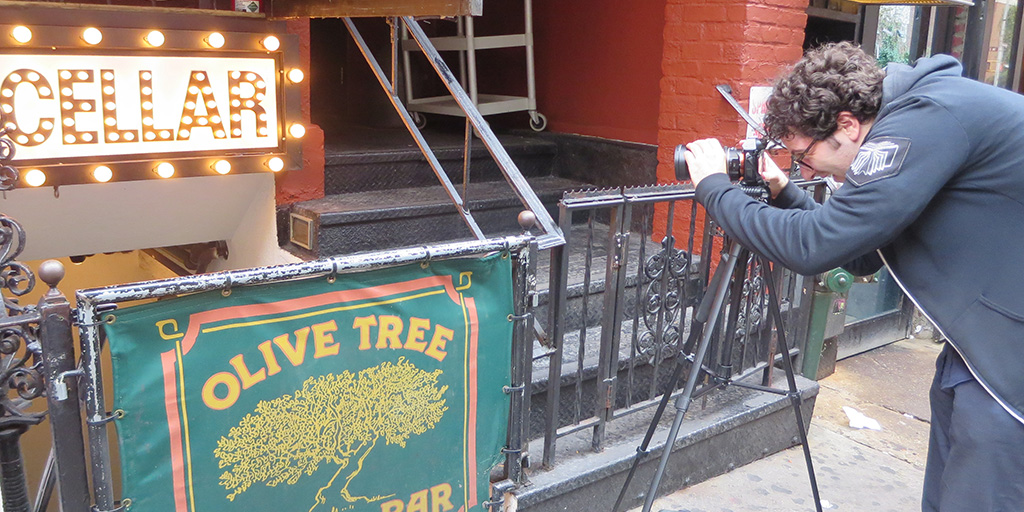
(620, 303)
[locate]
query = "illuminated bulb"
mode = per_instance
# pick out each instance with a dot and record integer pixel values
(70, 139)
(164, 170)
(295, 75)
(110, 105)
(33, 76)
(249, 103)
(108, 89)
(237, 132)
(102, 174)
(235, 91)
(271, 43)
(110, 121)
(148, 121)
(262, 131)
(183, 133)
(202, 121)
(129, 136)
(260, 96)
(236, 117)
(68, 121)
(297, 130)
(147, 105)
(236, 74)
(147, 90)
(222, 167)
(92, 35)
(165, 134)
(38, 137)
(193, 90)
(21, 34)
(22, 139)
(14, 77)
(215, 40)
(261, 85)
(113, 136)
(200, 76)
(250, 76)
(108, 76)
(85, 106)
(87, 137)
(186, 120)
(83, 75)
(47, 125)
(146, 75)
(263, 116)
(191, 105)
(150, 135)
(66, 92)
(65, 74)
(44, 91)
(7, 108)
(235, 103)
(155, 38)
(211, 104)
(207, 90)
(275, 164)
(219, 134)
(215, 119)
(11, 126)
(7, 93)
(35, 177)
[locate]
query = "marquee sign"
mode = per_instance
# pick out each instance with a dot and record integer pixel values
(379, 391)
(86, 104)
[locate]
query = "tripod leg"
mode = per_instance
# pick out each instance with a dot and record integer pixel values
(787, 364)
(725, 267)
(696, 329)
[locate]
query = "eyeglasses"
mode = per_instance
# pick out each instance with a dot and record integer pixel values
(799, 156)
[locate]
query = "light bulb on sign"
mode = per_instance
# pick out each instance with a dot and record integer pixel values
(222, 167)
(155, 38)
(164, 170)
(295, 75)
(275, 164)
(296, 130)
(21, 34)
(102, 174)
(271, 43)
(92, 35)
(35, 178)
(215, 40)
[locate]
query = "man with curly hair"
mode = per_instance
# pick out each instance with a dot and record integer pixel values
(933, 172)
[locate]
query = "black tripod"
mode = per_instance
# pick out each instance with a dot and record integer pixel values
(707, 314)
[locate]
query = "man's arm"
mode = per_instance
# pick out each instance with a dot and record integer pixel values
(869, 212)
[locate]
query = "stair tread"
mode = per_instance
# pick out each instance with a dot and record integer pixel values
(417, 198)
(373, 145)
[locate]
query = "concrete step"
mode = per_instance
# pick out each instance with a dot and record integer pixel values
(383, 159)
(380, 219)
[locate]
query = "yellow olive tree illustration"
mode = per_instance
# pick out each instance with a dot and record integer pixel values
(333, 419)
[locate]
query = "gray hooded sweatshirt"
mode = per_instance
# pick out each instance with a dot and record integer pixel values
(938, 189)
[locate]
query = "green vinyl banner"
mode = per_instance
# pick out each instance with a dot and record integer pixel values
(378, 391)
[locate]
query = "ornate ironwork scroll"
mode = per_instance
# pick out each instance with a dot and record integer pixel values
(20, 352)
(665, 275)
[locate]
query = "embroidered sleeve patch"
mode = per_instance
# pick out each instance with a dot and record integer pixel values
(877, 159)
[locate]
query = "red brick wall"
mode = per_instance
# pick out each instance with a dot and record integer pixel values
(711, 42)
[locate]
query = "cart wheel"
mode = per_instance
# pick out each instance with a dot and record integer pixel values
(538, 122)
(419, 120)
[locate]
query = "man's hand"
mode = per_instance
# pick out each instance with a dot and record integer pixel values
(704, 158)
(777, 178)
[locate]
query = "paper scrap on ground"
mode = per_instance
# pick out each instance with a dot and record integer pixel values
(859, 420)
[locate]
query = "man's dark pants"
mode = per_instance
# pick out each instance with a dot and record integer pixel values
(976, 450)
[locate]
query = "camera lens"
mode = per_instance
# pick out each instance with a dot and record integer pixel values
(682, 171)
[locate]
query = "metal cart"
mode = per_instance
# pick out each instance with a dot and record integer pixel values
(467, 44)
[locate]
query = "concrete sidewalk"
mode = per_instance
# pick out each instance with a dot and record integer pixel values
(856, 469)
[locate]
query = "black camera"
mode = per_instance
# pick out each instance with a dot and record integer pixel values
(741, 164)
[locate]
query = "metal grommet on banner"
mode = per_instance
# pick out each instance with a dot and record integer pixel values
(426, 263)
(109, 319)
(116, 415)
(507, 250)
(513, 318)
(334, 272)
(227, 287)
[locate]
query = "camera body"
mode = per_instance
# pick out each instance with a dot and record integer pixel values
(741, 164)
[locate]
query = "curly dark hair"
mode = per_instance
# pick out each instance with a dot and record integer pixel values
(830, 79)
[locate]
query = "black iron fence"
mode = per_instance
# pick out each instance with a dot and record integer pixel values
(622, 292)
